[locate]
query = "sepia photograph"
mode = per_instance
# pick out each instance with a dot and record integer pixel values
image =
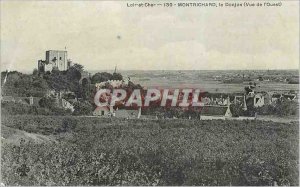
(149, 93)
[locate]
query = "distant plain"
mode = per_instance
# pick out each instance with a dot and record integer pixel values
(211, 81)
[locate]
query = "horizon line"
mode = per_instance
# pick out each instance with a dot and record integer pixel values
(187, 69)
(102, 70)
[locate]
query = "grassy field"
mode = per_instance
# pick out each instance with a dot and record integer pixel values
(204, 80)
(92, 151)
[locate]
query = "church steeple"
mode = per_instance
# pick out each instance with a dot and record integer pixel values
(115, 69)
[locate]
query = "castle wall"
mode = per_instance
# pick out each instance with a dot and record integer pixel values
(48, 67)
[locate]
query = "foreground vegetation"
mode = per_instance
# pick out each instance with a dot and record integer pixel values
(93, 151)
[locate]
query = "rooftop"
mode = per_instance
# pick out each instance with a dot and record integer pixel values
(213, 110)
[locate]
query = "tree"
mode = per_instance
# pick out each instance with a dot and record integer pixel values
(65, 80)
(117, 76)
(79, 67)
(101, 77)
(57, 80)
(73, 74)
(285, 107)
(35, 72)
(55, 70)
(247, 89)
(47, 102)
(18, 84)
(236, 110)
(82, 108)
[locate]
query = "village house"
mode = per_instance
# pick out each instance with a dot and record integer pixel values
(214, 101)
(276, 97)
(7, 99)
(62, 103)
(128, 114)
(108, 111)
(102, 111)
(112, 83)
(258, 100)
(290, 96)
(32, 101)
(215, 112)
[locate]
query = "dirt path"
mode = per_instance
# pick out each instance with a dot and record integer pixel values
(14, 136)
(261, 118)
(279, 119)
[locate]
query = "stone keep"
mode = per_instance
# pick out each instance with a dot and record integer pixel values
(54, 58)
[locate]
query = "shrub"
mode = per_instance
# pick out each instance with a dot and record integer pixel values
(286, 107)
(282, 107)
(82, 108)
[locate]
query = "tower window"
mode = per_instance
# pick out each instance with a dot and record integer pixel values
(59, 58)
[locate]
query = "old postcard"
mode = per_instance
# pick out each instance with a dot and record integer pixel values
(142, 93)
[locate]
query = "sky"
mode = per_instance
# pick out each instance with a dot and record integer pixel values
(100, 35)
